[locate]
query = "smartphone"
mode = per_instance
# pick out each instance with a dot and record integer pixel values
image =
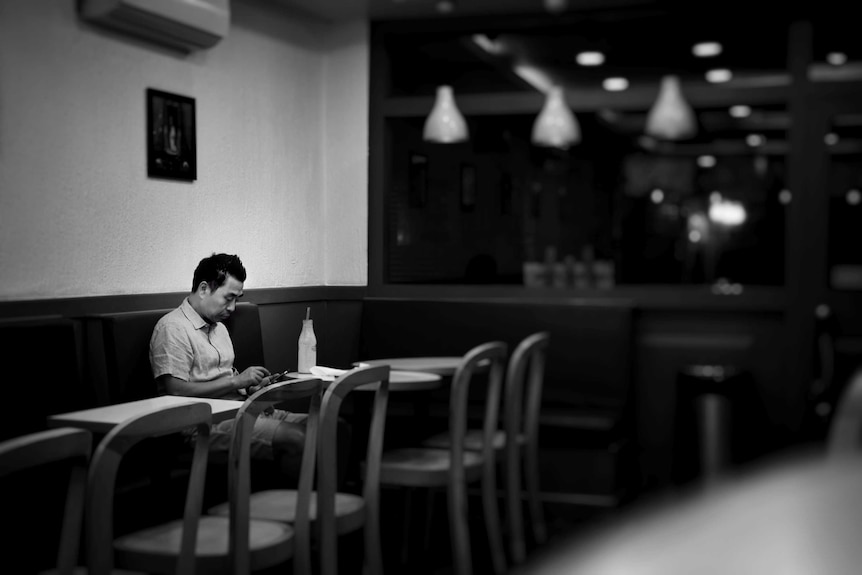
(276, 377)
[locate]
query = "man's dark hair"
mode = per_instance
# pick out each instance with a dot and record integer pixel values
(215, 269)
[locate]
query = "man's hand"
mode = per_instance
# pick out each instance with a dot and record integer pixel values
(251, 376)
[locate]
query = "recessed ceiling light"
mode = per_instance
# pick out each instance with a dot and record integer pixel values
(556, 6)
(740, 111)
(836, 58)
(706, 161)
(615, 84)
(590, 58)
(445, 6)
(831, 139)
(656, 196)
(719, 75)
(854, 198)
(706, 49)
(784, 197)
(755, 140)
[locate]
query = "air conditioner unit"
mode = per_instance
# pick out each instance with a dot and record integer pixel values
(186, 25)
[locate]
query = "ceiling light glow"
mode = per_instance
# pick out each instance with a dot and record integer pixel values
(706, 49)
(706, 161)
(740, 111)
(755, 140)
(719, 75)
(727, 213)
(836, 58)
(615, 84)
(590, 58)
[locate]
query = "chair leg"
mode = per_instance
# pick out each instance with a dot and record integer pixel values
(405, 530)
(373, 549)
(492, 518)
(430, 494)
(459, 530)
(537, 516)
(514, 509)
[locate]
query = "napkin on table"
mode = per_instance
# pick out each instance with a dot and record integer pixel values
(326, 373)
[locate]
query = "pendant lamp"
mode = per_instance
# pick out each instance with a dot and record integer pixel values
(556, 125)
(445, 124)
(671, 117)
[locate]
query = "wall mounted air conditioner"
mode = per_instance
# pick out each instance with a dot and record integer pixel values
(182, 24)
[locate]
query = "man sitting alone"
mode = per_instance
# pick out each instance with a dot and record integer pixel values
(191, 353)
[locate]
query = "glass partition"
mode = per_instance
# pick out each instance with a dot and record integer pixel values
(624, 204)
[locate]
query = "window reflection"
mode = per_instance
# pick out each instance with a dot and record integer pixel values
(844, 148)
(617, 206)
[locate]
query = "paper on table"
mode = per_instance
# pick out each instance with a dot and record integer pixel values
(326, 373)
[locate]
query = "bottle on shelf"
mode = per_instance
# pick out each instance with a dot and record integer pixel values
(307, 356)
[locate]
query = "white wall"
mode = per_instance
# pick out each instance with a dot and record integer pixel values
(282, 111)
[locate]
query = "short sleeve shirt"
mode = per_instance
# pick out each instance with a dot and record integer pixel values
(187, 347)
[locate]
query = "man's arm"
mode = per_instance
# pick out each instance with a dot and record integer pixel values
(217, 387)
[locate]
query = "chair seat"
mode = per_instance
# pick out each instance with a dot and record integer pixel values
(423, 467)
(472, 440)
(155, 549)
(280, 505)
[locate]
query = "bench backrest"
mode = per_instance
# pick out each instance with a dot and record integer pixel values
(591, 344)
(118, 350)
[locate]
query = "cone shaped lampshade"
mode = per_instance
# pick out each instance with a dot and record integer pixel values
(445, 124)
(556, 125)
(671, 117)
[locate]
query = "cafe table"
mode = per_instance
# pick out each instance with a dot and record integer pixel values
(103, 419)
(440, 365)
(398, 381)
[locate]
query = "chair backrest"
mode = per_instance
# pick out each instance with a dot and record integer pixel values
(103, 474)
(44, 447)
(845, 430)
(327, 480)
(239, 468)
(489, 356)
(523, 398)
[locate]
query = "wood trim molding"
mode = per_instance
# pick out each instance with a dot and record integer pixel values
(72, 307)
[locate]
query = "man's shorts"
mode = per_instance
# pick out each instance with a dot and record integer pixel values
(262, 435)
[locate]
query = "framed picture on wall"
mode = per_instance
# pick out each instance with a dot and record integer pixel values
(468, 187)
(417, 175)
(171, 148)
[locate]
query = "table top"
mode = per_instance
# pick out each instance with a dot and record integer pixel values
(103, 419)
(799, 515)
(398, 381)
(443, 365)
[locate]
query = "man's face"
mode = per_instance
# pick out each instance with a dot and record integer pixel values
(219, 304)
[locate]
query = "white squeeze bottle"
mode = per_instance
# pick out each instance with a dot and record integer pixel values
(307, 356)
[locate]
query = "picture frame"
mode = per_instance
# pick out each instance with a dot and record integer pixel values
(468, 187)
(417, 176)
(171, 136)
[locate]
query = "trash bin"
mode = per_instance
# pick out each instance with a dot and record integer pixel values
(707, 395)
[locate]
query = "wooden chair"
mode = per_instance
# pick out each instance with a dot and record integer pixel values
(167, 548)
(234, 544)
(45, 447)
(522, 404)
(522, 401)
(455, 466)
(243, 527)
(333, 513)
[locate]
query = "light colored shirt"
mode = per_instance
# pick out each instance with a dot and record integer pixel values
(187, 347)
